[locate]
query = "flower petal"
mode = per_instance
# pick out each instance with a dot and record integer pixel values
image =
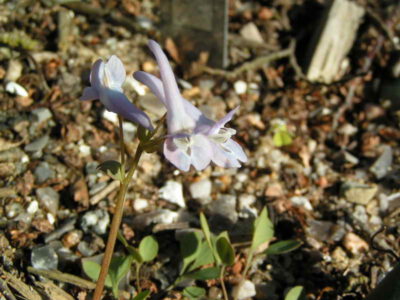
(176, 156)
(96, 74)
(118, 103)
(89, 93)
(153, 83)
(201, 152)
(236, 149)
(221, 123)
(223, 158)
(116, 71)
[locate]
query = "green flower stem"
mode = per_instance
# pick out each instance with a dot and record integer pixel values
(116, 222)
(223, 283)
(138, 265)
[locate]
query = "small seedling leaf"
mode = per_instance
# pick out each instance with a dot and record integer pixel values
(205, 228)
(295, 293)
(205, 274)
(112, 168)
(148, 248)
(119, 267)
(190, 246)
(194, 292)
(283, 247)
(92, 270)
(263, 230)
(282, 138)
(204, 256)
(225, 251)
(142, 295)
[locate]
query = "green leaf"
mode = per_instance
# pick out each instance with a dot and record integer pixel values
(263, 230)
(119, 267)
(148, 248)
(283, 247)
(190, 246)
(295, 293)
(206, 229)
(92, 270)
(194, 292)
(112, 168)
(204, 257)
(142, 295)
(282, 136)
(225, 251)
(205, 274)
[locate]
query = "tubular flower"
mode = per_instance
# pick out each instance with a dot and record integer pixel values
(192, 138)
(106, 81)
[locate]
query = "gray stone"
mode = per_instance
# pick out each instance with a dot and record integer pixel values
(44, 258)
(172, 191)
(13, 210)
(91, 167)
(97, 187)
(159, 216)
(96, 221)
(359, 193)
(38, 144)
(224, 207)
(201, 189)
(43, 172)
(41, 115)
(301, 201)
(49, 198)
(383, 164)
(66, 226)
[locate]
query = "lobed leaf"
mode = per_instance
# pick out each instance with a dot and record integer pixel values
(295, 293)
(194, 292)
(92, 270)
(225, 251)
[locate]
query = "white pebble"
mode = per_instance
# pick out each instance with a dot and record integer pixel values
(240, 87)
(301, 201)
(140, 204)
(245, 290)
(16, 89)
(84, 149)
(50, 218)
(172, 192)
(110, 116)
(33, 207)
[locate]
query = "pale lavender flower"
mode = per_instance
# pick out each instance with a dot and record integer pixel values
(106, 81)
(192, 138)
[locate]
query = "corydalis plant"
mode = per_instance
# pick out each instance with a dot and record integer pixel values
(106, 79)
(192, 138)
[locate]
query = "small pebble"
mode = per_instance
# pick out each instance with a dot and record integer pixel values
(301, 201)
(38, 144)
(354, 243)
(43, 172)
(240, 87)
(16, 89)
(245, 290)
(96, 221)
(44, 258)
(201, 189)
(41, 115)
(140, 204)
(33, 207)
(172, 191)
(72, 238)
(49, 198)
(110, 116)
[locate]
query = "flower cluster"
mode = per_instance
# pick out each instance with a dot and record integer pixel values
(192, 138)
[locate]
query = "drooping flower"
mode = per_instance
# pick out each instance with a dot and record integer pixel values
(106, 79)
(192, 138)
